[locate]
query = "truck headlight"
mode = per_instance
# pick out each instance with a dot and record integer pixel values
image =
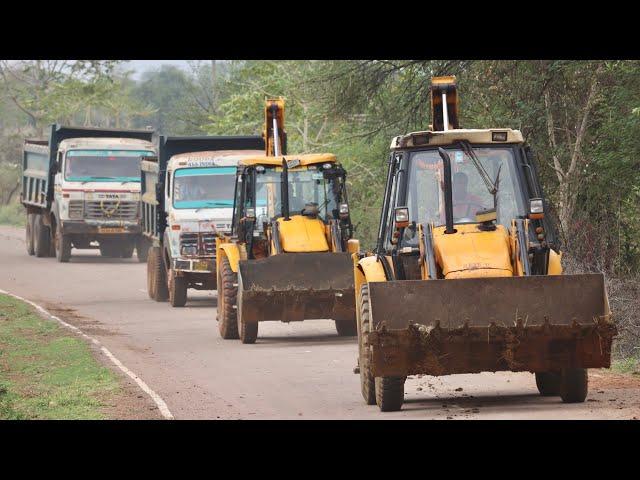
(189, 250)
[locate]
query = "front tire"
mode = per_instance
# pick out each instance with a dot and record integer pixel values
(177, 290)
(548, 383)
(227, 296)
(62, 246)
(574, 385)
(142, 249)
(346, 329)
(156, 281)
(389, 393)
(367, 383)
(29, 237)
(42, 238)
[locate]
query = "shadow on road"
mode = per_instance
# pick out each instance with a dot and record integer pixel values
(306, 340)
(524, 401)
(201, 302)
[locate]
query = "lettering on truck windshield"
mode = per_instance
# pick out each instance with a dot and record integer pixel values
(204, 187)
(104, 165)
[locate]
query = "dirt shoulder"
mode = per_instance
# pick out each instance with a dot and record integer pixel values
(47, 372)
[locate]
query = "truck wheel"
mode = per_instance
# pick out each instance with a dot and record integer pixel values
(29, 234)
(126, 249)
(574, 385)
(367, 383)
(177, 290)
(41, 235)
(110, 248)
(227, 294)
(346, 329)
(156, 276)
(142, 249)
(62, 246)
(389, 393)
(548, 383)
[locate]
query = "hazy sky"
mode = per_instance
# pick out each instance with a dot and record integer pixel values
(141, 65)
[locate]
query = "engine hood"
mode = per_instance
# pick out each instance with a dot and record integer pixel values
(472, 253)
(303, 234)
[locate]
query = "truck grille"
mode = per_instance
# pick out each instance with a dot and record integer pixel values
(76, 209)
(205, 243)
(111, 210)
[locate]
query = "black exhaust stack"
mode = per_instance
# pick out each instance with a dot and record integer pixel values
(448, 191)
(284, 190)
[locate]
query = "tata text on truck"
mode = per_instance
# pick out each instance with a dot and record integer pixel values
(82, 187)
(187, 200)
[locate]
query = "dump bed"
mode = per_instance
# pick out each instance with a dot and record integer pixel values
(39, 158)
(153, 171)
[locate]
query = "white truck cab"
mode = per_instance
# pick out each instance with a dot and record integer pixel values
(187, 201)
(83, 187)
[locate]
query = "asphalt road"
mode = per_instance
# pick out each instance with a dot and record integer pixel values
(301, 370)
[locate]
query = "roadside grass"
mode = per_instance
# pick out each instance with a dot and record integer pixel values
(12, 214)
(46, 373)
(626, 365)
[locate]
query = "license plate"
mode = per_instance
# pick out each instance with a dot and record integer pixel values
(201, 265)
(111, 230)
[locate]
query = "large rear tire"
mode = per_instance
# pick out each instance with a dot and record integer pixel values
(227, 295)
(156, 281)
(142, 248)
(62, 246)
(29, 237)
(42, 237)
(548, 383)
(389, 393)
(574, 385)
(177, 290)
(367, 383)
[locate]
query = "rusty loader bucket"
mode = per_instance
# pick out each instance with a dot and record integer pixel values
(297, 286)
(536, 323)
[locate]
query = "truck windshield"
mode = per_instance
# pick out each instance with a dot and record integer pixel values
(470, 194)
(210, 187)
(104, 165)
(305, 186)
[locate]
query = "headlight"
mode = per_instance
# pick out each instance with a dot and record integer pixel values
(189, 250)
(401, 217)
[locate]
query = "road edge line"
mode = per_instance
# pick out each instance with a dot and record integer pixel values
(160, 403)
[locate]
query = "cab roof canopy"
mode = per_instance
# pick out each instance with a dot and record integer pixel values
(449, 137)
(307, 159)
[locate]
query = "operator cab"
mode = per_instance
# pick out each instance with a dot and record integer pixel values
(316, 189)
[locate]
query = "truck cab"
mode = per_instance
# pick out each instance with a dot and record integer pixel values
(97, 193)
(81, 189)
(187, 200)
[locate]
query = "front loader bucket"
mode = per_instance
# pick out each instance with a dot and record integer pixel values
(536, 323)
(297, 286)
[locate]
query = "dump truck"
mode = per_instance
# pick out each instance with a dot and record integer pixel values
(81, 189)
(287, 257)
(466, 275)
(187, 201)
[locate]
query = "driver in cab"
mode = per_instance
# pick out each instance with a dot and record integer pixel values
(465, 204)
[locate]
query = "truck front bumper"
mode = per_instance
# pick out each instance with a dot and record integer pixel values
(195, 265)
(100, 227)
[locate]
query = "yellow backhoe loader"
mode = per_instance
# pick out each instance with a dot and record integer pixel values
(466, 276)
(288, 257)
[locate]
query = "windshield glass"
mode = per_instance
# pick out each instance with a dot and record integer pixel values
(104, 165)
(470, 193)
(305, 186)
(210, 187)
